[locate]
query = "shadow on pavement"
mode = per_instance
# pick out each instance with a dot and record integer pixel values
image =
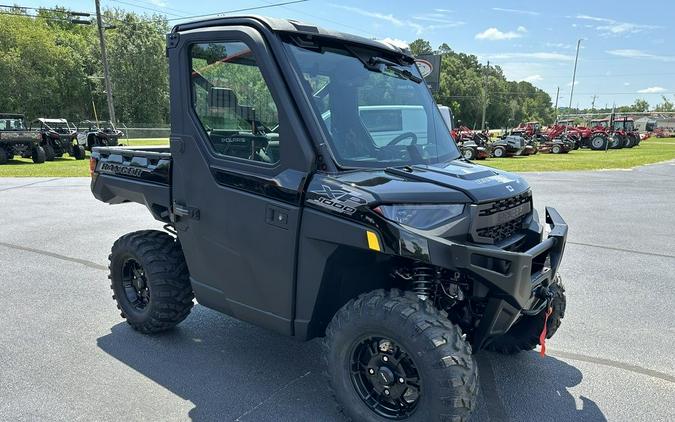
(528, 387)
(231, 370)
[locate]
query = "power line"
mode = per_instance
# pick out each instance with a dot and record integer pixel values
(147, 8)
(48, 18)
(335, 22)
(245, 9)
(39, 9)
(182, 12)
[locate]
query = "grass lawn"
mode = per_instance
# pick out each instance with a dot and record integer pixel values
(66, 166)
(650, 151)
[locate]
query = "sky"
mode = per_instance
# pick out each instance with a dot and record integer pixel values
(627, 49)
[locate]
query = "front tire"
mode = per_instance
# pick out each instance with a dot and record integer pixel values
(38, 155)
(499, 152)
(390, 355)
(49, 152)
(524, 335)
(150, 281)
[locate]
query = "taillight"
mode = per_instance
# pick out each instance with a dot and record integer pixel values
(92, 166)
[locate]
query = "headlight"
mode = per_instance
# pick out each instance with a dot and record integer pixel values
(422, 217)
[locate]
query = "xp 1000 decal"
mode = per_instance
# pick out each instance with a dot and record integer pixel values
(337, 199)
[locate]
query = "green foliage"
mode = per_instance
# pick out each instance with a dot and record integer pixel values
(50, 67)
(508, 103)
(420, 46)
(665, 106)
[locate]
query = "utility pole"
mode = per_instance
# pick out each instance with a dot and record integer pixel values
(557, 94)
(485, 99)
(595, 96)
(574, 75)
(104, 59)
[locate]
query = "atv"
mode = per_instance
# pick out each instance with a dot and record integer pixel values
(17, 140)
(58, 137)
(293, 200)
(97, 133)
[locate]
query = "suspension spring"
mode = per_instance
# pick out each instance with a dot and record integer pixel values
(423, 280)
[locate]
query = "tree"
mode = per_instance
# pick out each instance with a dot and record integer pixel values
(420, 46)
(665, 106)
(640, 105)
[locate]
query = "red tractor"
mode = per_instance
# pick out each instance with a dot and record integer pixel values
(615, 135)
(625, 128)
(527, 130)
(595, 136)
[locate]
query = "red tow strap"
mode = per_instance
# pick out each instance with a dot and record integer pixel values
(542, 336)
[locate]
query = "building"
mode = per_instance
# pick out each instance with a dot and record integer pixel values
(645, 124)
(667, 123)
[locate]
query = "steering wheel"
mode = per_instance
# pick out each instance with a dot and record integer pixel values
(404, 135)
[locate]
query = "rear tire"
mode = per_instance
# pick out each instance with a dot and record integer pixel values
(394, 327)
(79, 153)
(598, 142)
(150, 281)
(4, 157)
(49, 152)
(38, 155)
(469, 153)
(616, 142)
(556, 149)
(499, 152)
(524, 335)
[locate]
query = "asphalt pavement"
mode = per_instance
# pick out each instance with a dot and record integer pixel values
(66, 355)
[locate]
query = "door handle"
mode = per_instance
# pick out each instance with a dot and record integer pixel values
(182, 210)
(277, 216)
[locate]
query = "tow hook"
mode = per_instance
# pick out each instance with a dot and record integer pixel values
(543, 292)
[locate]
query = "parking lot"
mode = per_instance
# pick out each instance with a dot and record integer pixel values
(67, 355)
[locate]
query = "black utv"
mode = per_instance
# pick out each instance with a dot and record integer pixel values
(17, 140)
(97, 133)
(295, 200)
(58, 137)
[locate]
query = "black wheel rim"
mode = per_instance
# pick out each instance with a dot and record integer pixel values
(135, 284)
(385, 377)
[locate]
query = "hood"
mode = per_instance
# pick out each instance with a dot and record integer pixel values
(455, 182)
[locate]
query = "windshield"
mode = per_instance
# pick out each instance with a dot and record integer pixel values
(11, 124)
(625, 125)
(376, 113)
(60, 127)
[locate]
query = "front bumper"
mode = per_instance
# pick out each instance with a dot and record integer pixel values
(511, 277)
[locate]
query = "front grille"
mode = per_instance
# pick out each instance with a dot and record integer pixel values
(505, 204)
(499, 220)
(501, 231)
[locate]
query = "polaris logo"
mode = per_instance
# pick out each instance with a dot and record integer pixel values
(509, 188)
(121, 169)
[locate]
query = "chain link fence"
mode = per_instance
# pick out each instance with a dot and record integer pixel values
(139, 133)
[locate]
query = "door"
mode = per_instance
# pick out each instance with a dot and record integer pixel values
(240, 160)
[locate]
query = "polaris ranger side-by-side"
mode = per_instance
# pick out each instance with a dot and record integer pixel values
(58, 137)
(294, 200)
(17, 140)
(98, 133)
